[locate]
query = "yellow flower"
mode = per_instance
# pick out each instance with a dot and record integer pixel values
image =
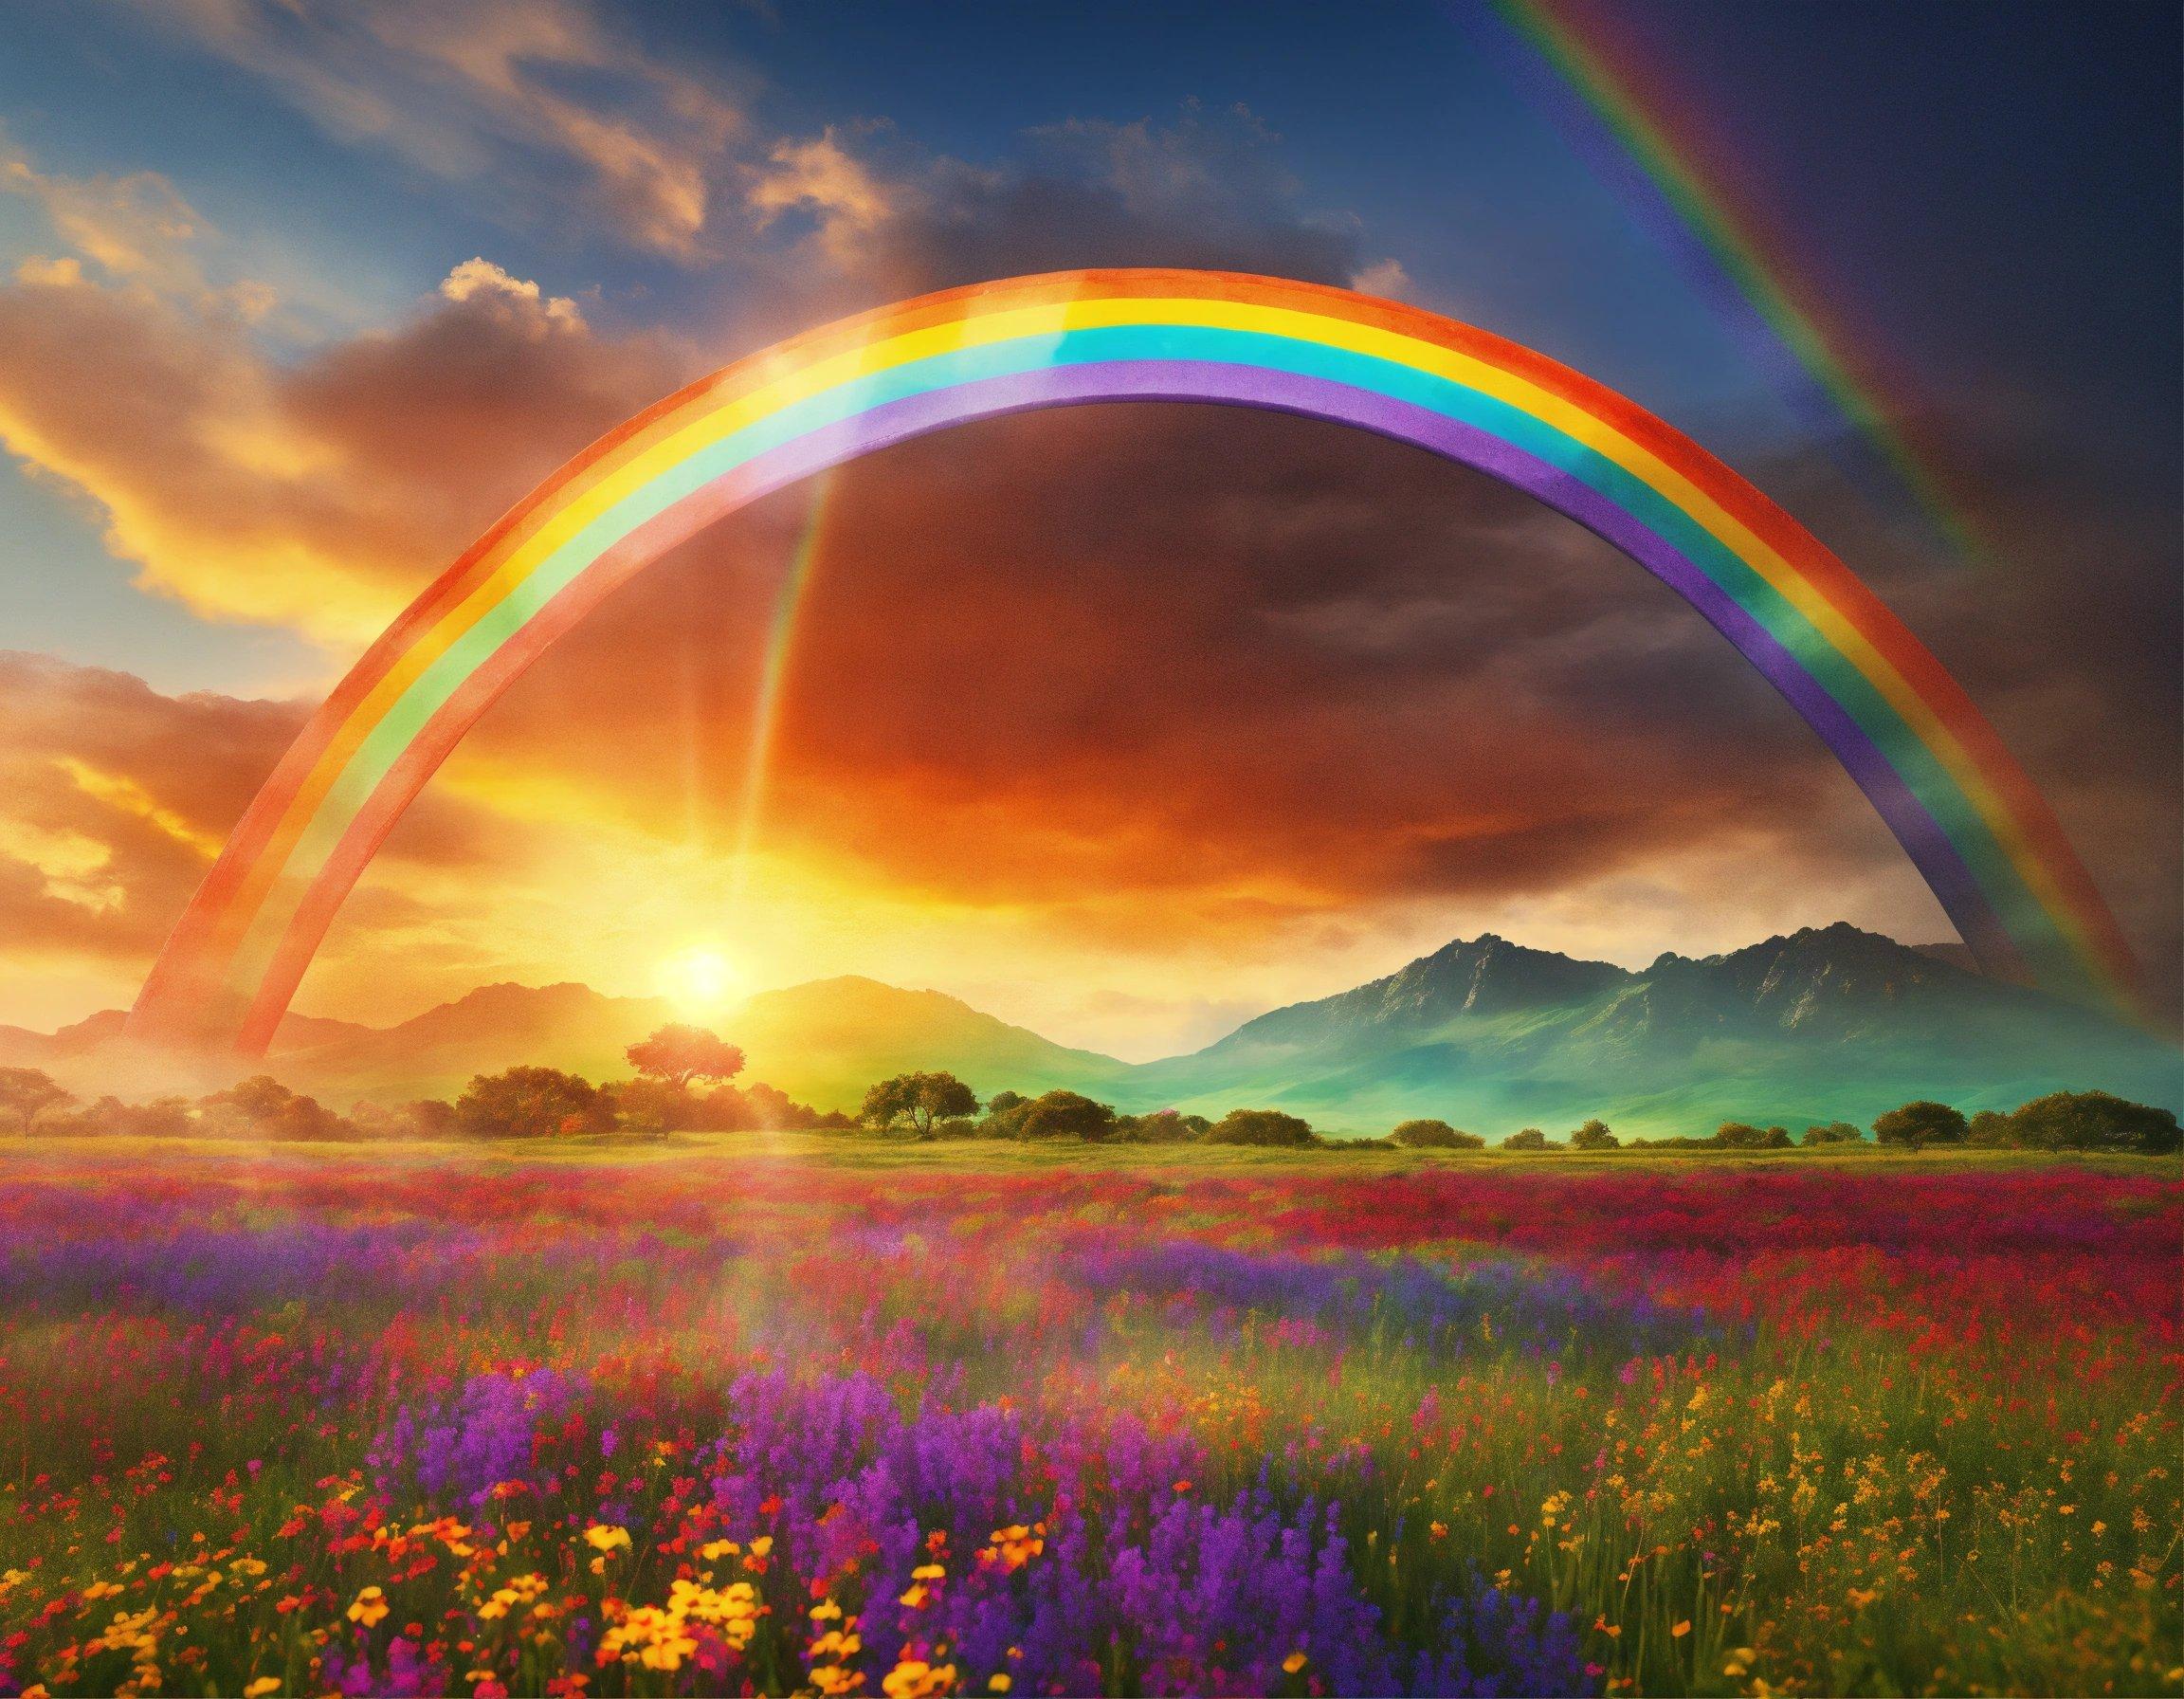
(914, 1678)
(712, 1550)
(826, 1611)
(998, 1684)
(916, 1596)
(263, 1685)
(1682, 1629)
(603, 1538)
(370, 1607)
(1293, 1663)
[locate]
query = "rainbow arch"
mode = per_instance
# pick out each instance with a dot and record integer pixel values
(1972, 823)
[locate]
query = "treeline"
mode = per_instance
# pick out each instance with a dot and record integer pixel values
(686, 1075)
(683, 1081)
(939, 1105)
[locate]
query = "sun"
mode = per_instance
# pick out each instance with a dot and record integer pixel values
(699, 979)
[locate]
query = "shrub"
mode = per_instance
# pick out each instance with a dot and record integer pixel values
(1834, 1132)
(1530, 1138)
(1162, 1127)
(1261, 1126)
(2094, 1120)
(1435, 1135)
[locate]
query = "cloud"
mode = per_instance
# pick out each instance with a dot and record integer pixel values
(320, 494)
(489, 90)
(1129, 694)
(135, 228)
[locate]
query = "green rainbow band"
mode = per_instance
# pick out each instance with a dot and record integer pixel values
(1970, 819)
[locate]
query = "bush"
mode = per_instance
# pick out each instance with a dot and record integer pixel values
(1922, 1122)
(531, 1103)
(1530, 1138)
(1435, 1135)
(1593, 1135)
(2094, 1120)
(1162, 1127)
(1261, 1126)
(1834, 1132)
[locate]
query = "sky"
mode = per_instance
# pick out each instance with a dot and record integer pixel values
(1124, 723)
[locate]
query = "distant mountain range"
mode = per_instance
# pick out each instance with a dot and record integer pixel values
(1829, 1023)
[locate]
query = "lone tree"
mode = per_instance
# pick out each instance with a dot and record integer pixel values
(1920, 1124)
(1594, 1134)
(920, 1099)
(1530, 1138)
(1435, 1135)
(679, 1054)
(27, 1093)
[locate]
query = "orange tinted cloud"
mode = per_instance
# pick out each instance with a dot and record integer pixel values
(319, 495)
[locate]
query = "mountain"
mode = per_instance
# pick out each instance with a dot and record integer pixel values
(1829, 1023)
(823, 1043)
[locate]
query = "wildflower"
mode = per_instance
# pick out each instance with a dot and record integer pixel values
(263, 1685)
(998, 1684)
(1293, 1663)
(604, 1538)
(370, 1607)
(914, 1678)
(1682, 1629)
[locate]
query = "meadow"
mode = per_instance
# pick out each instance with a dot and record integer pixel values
(757, 1413)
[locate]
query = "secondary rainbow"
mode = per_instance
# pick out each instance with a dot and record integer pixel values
(1642, 141)
(1965, 813)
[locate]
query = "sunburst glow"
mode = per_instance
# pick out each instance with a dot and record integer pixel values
(700, 979)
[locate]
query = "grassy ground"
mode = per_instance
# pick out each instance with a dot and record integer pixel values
(831, 1413)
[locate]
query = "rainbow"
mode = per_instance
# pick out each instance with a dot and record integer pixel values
(1644, 147)
(1967, 816)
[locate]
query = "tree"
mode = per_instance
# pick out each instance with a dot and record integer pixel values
(1002, 1102)
(1064, 1115)
(679, 1054)
(1434, 1135)
(1922, 1122)
(1738, 1135)
(262, 1107)
(920, 1099)
(1531, 1137)
(1834, 1132)
(530, 1102)
(1261, 1126)
(27, 1093)
(2095, 1121)
(1593, 1135)
(1989, 1129)
(1774, 1138)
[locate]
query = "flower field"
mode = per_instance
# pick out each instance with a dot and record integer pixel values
(763, 1415)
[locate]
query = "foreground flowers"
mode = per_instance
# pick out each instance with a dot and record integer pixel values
(344, 1423)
